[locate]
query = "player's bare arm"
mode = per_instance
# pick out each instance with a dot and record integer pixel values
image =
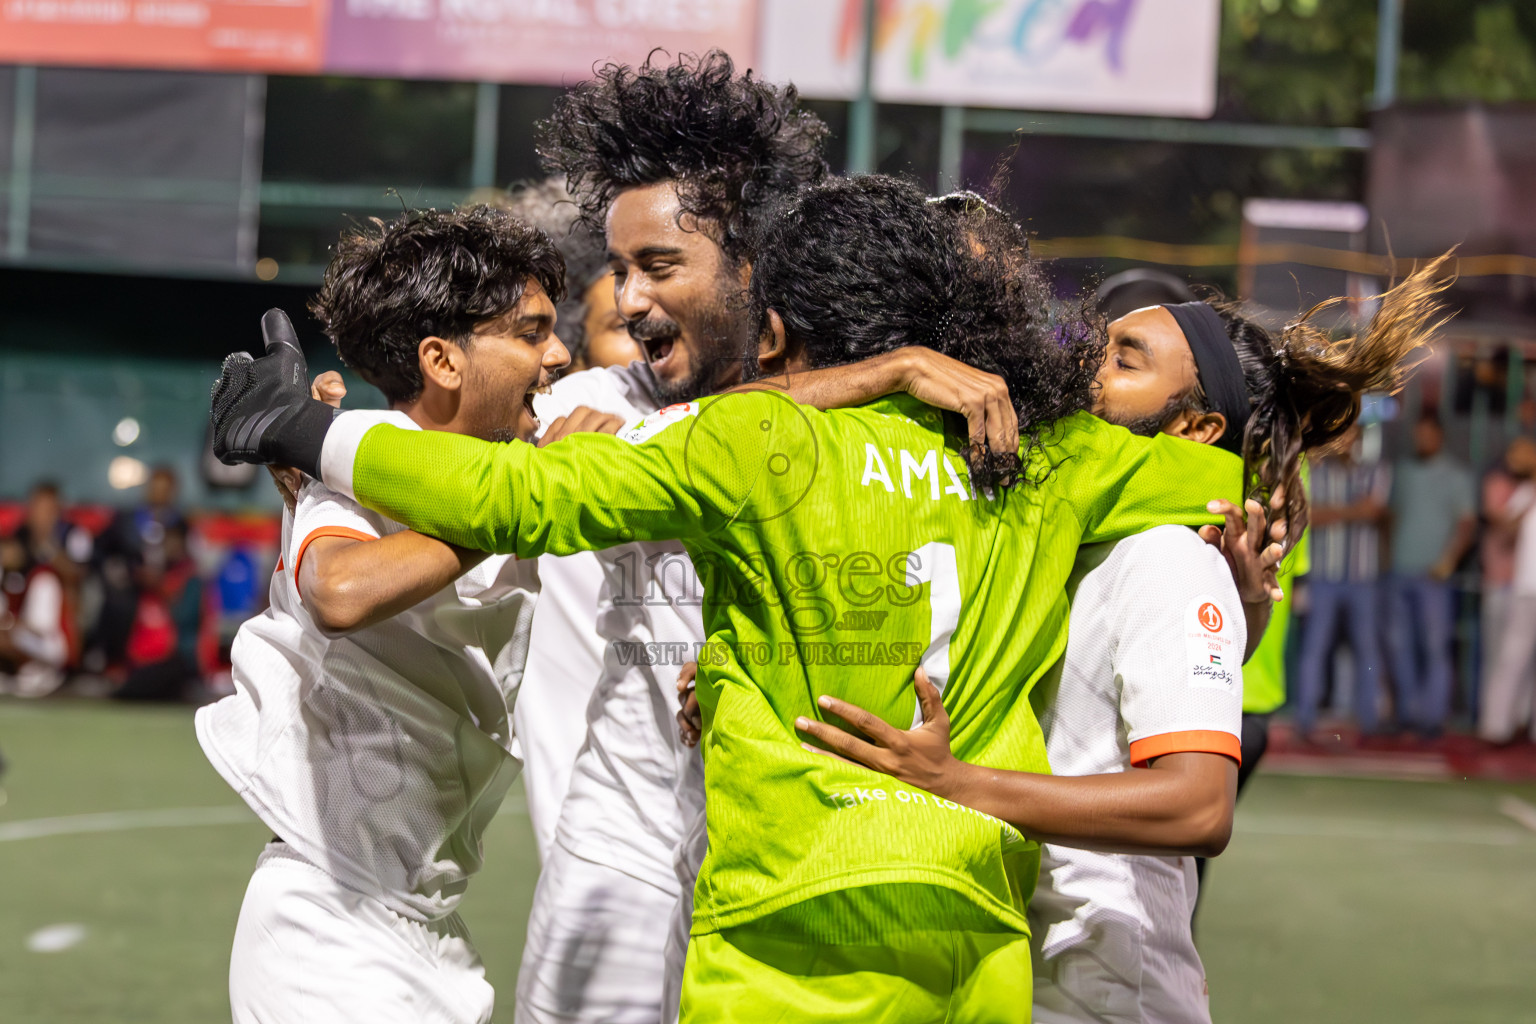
(349, 584)
(1181, 804)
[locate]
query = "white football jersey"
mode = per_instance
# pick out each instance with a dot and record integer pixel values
(1153, 666)
(635, 787)
(382, 755)
(563, 668)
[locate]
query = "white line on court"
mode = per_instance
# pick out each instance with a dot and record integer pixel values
(1519, 810)
(174, 817)
(56, 938)
(15, 709)
(122, 821)
(1408, 768)
(1379, 831)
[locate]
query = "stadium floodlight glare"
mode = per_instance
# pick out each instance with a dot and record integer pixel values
(125, 471)
(126, 432)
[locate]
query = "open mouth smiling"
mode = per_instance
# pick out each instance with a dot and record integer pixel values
(659, 350)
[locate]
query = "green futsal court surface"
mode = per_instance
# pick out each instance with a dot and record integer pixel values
(123, 858)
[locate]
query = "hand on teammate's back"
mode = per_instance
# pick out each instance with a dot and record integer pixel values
(690, 724)
(581, 420)
(981, 397)
(919, 757)
(1254, 565)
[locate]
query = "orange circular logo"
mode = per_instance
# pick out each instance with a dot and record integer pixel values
(1210, 617)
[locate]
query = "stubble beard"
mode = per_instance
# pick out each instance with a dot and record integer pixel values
(719, 347)
(1145, 426)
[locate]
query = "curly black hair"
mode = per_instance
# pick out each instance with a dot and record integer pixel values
(730, 142)
(426, 273)
(860, 266)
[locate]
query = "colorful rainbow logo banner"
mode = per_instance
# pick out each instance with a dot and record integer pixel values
(1123, 56)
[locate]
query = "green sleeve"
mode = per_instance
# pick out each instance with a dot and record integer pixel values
(1120, 484)
(1298, 562)
(675, 475)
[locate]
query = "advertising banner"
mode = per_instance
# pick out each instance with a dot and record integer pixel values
(224, 35)
(549, 41)
(1106, 56)
(1120, 56)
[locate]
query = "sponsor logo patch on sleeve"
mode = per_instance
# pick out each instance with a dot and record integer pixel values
(1210, 643)
(648, 427)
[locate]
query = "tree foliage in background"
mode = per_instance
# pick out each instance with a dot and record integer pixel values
(1314, 62)
(1460, 51)
(1296, 61)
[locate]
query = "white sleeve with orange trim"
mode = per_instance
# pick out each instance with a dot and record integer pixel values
(1177, 641)
(321, 512)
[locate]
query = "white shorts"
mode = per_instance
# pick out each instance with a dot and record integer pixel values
(307, 949)
(594, 949)
(687, 859)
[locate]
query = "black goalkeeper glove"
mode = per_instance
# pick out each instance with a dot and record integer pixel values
(262, 411)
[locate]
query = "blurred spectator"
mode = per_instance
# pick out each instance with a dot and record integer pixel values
(1433, 526)
(1349, 506)
(240, 591)
(1508, 683)
(135, 539)
(162, 646)
(588, 322)
(159, 511)
(1496, 549)
(33, 634)
(50, 541)
(43, 533)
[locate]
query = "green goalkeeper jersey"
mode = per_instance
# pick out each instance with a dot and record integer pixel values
(838, 550)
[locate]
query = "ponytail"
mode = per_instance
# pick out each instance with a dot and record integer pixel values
(1305, 386)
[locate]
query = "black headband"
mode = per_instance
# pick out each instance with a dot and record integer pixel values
(1221, 375)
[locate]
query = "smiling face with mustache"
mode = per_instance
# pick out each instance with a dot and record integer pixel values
(682, 298)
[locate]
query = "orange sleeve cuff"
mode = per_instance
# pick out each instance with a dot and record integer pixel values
(326, 531)
(1195, 741)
